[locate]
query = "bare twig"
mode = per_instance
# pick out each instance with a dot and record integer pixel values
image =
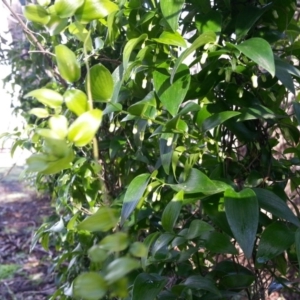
(36, 41)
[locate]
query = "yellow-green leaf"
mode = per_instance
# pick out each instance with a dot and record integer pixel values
(59, 124)
(95, 9)
(115, 242)
(101, 83)
(67, 8)
(89, 286)
(36, 13)
(47, 97)
(172, 39)
(39, 112)
(83, 129)
(76, 101)
(68, 66)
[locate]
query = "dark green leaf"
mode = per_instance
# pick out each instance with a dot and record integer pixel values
(242, 214)
(260, 52)
(297, 243)
(147, 286)
(211, 21)
(217, 119)
(172, 95)
(217, 242)
(133, 195)
(171, 212)
(275, 239)
(197, 228)
(201, 283)
(275, 205)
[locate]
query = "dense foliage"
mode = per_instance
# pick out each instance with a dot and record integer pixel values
(167, 136)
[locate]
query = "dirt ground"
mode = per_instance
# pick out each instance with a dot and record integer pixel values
(24, 275)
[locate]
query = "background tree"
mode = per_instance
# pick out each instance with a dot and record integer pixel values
(158, 137)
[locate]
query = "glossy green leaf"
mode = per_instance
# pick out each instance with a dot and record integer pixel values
(130, 45)
(147, 286)
(275, 205)
(120, 267)
(138, 249)
(59, 124)
(260, 52)
(212, 21)
(97, 254)
(133, 195)
(247, 18)
(104, 219)
(217, 242)
(47, 97)
(67, 8)
(76, 101)
(95, 9)
(101, 83)
(82, 34)
(172, 39)
(89, 286)
(171, 10)
(161, 242)
(56, 25)
(197, 228)
(172, 95)
(140, 107)
(275, 239)
(166, 150)
(115, 242)
(171, 212)
(83, 129)
(36, 13)
(297, 244)
(197, 182)
(201, 283)
(218, 119)
(68, 66)
(39, 112)
(205, 38)
(242, 213)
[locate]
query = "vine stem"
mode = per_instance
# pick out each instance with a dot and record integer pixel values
(36, 41)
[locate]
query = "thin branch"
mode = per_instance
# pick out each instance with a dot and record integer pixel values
(36, 41)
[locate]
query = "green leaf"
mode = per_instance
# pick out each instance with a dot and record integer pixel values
(172, 39)
(95, 9)
(104, 219)
(166, 150)
(171, 212)
(147, 286)
(130, 45)
(39, 112)
(212, 21)
(83, 129)
(76, 101)
(101, 83)
(275, 239)
(68, 66)
(172, 95)
(275, 205)
(217, 119)
(89, 286)
(56, 25)
(247, 18)
(297, 244)
(115, 242)
(138, 249)
(201, 283)
(59, 124)
(260, 52)
(133, 195)
(205, 38)
(47, 97)
(242, 213)
(82, 34)
(36, 13)
(140, 107)
(197, 182)
(119, 267)
(67, 8)
(197, 228)
(97, 254)
(171, 10)
(217, 242)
